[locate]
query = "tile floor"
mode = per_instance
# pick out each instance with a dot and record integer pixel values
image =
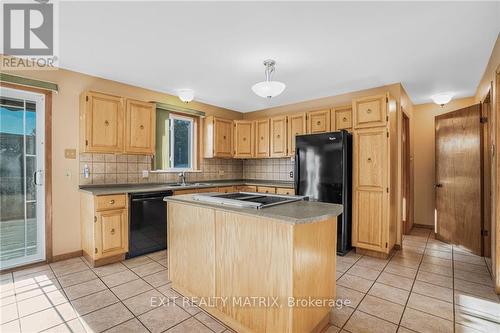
(427, 287)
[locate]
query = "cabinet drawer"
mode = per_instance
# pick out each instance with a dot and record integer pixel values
(246, 188)
(343, 119)
(285, 191)
(206, 190)
(226, 189)
(266, 189)
(115, 201)
(370, 111)
(179, 192)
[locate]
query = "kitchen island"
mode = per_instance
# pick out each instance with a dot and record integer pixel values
(266, 270)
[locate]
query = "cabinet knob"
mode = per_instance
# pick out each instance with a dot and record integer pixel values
(224, 137)
(112, 202)
(296, 133)
(262, 138)
(278, 136)
(344, 119)
(141, 127)
(369, 111)
(318, 122)
(244, 139)
(369, 159)
(113, 231)
(106, 123)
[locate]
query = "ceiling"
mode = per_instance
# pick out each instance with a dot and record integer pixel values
(322, 49)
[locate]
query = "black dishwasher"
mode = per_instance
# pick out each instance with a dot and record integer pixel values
(148, 223)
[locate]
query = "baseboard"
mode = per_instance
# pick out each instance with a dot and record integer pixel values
(424, 226)
(65, 256)
(372, 253)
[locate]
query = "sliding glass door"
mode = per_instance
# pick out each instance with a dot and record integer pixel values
(22, 192)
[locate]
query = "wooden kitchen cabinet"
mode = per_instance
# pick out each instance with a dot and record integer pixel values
(296, 126)
(245, 188)
(104, 222)
(266, 189)
(262, 138)
(278, 137)
(101, 123)
(285, 190)
(371, 227)
(218, 137)
(318, 121)
(342, 118)
(226, 189)
(187, 191)
(243, 139)
(370, 111)
(140, 127)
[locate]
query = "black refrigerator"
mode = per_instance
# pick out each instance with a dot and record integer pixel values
(323, 172)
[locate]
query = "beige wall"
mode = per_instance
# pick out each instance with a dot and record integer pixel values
(423, 154)
(65, 113)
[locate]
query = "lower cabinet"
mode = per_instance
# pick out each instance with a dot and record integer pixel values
(285, 191)
(226, 189)
(266, 189)
(104, 221)
(245, 188)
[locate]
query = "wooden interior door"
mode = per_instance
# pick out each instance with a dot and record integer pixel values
(406, 179)
(458, 178)
(486, 168)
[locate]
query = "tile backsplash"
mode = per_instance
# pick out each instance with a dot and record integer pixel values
(127, 169)
(268, 169)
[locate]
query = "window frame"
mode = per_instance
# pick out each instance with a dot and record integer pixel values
(192, 145)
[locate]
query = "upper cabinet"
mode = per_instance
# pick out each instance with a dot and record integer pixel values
(101, 123)
(278, 137)
(140, 127)
(370, 111)
(262, 138)
(318, 121)
(218, 137)
(243, 139)
(342, 118)
(296, 126)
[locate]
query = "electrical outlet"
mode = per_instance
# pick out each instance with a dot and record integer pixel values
(291, 174)
(70, 154)
(145, 173)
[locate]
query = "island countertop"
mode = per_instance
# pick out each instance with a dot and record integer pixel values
(298, 212)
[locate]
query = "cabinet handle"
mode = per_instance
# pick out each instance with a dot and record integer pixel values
(224, 137)
(369, 111)
(113, 231)
(262, 138)
(106, 123)
(296, 133)
(278, 136)
(141, 127)
(369, 159)
(112, 202)
(244, 139)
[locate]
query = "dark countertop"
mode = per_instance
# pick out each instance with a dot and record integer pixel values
(298, 212)
(137, 188)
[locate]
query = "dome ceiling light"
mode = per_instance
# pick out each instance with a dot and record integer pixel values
(442, 99)
(185, 95)
(269, 88)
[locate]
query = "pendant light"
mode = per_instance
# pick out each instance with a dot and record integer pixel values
(269, 88)
(185, 95)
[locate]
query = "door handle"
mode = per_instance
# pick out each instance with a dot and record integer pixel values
(438, 185)
(35, 177)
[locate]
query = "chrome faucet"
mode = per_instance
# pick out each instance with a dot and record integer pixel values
(182, 176)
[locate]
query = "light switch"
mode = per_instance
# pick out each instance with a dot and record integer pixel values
(70, 154)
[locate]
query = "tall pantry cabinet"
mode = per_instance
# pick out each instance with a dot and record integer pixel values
(374, 168)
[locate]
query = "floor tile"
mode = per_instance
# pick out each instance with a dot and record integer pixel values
(84, 289)
(339, 316)
(167, 290)
(482, 278)
(38, 278)
(476, 289)
(109, 269)
(158, 255)
(32, 305)
(472, 319)
(436, 269)
(389, 293)
(470, 267)
(373, 263)
(76, 278)
(361, 322)
(116, 279)
(438, 261)
(42, 320)
(401, 270)
(210, 322)
(189, 307)
(72, 326)
(332, 329)
(364, 272)
(395, 280)
(427, 289)
(105, 318)
(144, 302)
(11, 327)
(132, 326)
(94, 302)
(163, 318)
(431, 306)
(65, 267)
(157, 279)
(8, 313)
(190, 325)
(436, 279)
(30, 270)
(470, 259)
(137, 261)
(147, 269)
(438, 254)
(485, 307)
(381, 308)
(406, 262)
(425, 323)
(353, 296)
(355, 282)
(130, 289)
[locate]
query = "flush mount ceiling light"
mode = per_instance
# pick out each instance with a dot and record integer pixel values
(442, 99)
(185, 95)
(269, 88)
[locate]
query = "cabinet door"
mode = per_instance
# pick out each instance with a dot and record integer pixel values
(370, 201)
(206, 190)
(223, 137)
(296, 126)
(245, 188)
(266, 189)
(103, 123)
(343, 118)
(369, 111)
(140, 127)
(262, 138)
(318, 121)
(243, 137)
(285, 191)
(278, 136)
(226, 189)
(111, 233)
